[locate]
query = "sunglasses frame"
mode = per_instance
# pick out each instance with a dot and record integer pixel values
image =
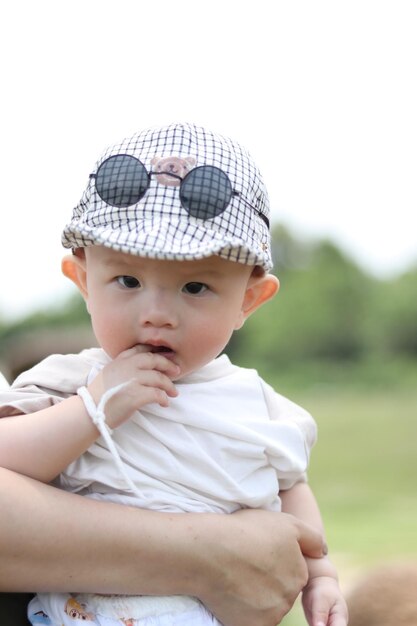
(231, 192)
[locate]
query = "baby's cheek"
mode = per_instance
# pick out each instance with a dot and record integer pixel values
(111, 334)
(213, 338)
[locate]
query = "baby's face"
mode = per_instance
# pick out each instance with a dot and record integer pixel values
(187, 310)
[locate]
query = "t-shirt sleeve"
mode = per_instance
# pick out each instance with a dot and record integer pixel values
(49, 382)
(281, 408)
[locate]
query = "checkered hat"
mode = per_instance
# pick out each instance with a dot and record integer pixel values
(158, 226)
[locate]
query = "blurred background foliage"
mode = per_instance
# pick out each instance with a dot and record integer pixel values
(331, 321)
(341, 343)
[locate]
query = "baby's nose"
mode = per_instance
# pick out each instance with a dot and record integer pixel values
(159, 311)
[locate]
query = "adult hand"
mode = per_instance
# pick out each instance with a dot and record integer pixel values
(256, 568)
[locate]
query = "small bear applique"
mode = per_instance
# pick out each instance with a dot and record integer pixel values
(172, 169)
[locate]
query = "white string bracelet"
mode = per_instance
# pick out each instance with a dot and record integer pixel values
(98, 418)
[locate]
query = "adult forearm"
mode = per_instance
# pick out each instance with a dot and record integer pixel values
(247, 568)
(55, 541)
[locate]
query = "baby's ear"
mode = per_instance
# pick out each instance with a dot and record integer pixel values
(260, 289)
(74, 267)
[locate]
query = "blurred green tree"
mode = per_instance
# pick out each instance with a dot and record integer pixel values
(391, 324)
(318, 313)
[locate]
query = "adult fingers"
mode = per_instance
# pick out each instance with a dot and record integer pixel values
(310, 540)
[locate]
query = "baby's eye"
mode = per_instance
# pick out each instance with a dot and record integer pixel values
(195, 289)
(129, 282)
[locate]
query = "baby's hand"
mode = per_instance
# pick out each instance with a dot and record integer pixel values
(323, 602)
(146, 378)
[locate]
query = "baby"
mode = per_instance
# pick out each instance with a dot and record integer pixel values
(171, 252)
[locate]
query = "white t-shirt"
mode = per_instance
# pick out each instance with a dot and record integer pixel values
(227, 441)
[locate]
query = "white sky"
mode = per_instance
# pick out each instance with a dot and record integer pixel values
(323, 93)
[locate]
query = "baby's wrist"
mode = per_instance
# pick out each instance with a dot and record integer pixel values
(321, 568)
(96, 390)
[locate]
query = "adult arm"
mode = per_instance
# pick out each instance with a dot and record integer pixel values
(247, 568)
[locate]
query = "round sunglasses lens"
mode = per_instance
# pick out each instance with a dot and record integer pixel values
(121, 180)
(205, 192)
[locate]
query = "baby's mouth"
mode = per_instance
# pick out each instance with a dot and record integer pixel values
(160, 349)
(165, 350)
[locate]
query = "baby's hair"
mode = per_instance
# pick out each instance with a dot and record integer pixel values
(258, 271)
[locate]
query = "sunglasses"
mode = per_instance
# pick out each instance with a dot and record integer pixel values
(205, 192)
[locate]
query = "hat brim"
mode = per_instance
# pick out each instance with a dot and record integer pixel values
(167, 239)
